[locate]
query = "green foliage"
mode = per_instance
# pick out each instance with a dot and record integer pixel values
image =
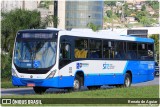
(5, 66)
(11, 22)
(110, 3)
(153, 4)
(125, 6)
(16, 20)
(45, 4)
(52, 19)
(156, 40)
(145, 21)
(93, 26)
(140, 14)
(109, 13)
(143, 8)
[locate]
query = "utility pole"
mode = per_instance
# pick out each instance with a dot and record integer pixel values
(112, 16)
(23, 4)
(122, 15)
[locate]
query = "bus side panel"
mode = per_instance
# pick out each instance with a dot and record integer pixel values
(89, 80)
(103, 79)
(141, 70)
(65, 81)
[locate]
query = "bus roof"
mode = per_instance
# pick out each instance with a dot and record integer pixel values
(88, 33)
(105, 35)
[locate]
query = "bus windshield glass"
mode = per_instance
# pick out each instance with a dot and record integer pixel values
(35, 51)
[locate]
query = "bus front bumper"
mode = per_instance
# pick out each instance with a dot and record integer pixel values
(55, 82)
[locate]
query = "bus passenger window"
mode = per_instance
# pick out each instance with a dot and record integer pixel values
(142, 51)
(119, 50)
(95, 48)
(108, 49)
(81, 48)
(150, 52)
(131, 51)
(65, 51)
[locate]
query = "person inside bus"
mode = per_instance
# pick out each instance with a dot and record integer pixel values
(128, 55)
(111, 53)
(80, 52)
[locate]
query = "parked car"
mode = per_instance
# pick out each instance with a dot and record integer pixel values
(156, 69)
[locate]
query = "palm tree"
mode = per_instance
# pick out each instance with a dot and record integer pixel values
(52, 20)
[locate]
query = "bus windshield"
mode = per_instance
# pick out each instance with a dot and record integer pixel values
(35, 53)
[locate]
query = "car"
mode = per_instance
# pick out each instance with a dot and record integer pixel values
(156, 69)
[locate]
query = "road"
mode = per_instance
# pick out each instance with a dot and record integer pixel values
(24, 91)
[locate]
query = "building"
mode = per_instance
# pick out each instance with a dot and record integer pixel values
(7, 5)
(77, 14)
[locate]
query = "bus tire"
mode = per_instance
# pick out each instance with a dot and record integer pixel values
(127, 80)
(39, 90)
(77, 83)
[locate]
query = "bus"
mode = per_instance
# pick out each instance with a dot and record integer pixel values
(54, 58)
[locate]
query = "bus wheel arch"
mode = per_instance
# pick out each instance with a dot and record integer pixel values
(130, 73)
(79, 77)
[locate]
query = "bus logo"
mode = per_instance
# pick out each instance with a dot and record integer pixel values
(108, 66)
(80, 65)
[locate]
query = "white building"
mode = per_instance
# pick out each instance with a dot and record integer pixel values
(8, 5)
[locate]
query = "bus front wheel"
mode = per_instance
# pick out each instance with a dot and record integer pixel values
(77, 83)
(39, 90)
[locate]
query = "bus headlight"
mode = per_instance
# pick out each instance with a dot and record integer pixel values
(14, 73)
(51, 74)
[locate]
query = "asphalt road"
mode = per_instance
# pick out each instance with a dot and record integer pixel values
(24, 91)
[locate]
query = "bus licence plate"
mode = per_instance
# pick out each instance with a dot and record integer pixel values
(30, 84)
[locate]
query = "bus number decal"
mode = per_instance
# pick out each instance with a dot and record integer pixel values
(108, 66)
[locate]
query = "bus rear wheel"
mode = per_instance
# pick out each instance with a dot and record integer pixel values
(127, 80)
(39, 90)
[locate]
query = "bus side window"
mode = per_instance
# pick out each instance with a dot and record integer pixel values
(65, 52)
(81, 48)
(150, 52)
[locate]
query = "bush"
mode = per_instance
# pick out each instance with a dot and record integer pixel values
(6, 66)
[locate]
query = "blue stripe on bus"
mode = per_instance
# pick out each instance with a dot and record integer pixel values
(144, 40)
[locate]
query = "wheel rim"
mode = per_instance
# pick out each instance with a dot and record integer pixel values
(76, 84)
(127, 82)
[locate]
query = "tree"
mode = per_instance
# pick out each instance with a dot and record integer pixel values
(45, 4)
(51, 19)
(156, 41)
(11, 22)
(109, 13)
(140, 14)
(16, 20)
(145, 21)
(143, 8)
(110, 3)
(93, 26)
(153, 4)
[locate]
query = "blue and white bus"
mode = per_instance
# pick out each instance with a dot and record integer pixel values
(52, 58)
